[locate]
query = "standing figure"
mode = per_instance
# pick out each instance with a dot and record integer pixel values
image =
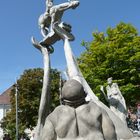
(115, 99)
(77, 119)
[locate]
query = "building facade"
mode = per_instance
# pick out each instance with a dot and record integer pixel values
(5, 106)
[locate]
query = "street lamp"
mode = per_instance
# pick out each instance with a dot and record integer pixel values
(16, 96)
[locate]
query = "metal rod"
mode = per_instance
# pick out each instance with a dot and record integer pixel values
(60, 86)
(16, 96)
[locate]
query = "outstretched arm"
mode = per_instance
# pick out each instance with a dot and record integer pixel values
(45, 95)
(67, 5)
(74, 71)
(103, 93)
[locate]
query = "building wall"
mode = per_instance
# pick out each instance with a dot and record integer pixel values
(3, 109)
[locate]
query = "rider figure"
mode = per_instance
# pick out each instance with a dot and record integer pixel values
(53, 15)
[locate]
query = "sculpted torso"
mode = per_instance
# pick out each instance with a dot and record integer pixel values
(76, 125)
(112, 90)
(82, 123)
(56, 14)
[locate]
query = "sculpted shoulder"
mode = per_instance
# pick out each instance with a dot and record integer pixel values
(89, 108)
(60, 111)
(94, 106)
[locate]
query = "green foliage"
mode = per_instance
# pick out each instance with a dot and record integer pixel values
(116, 54)
(29, 93)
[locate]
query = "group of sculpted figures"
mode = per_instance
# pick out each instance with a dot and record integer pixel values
(81, 116)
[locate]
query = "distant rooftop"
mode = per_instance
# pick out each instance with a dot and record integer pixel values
(5, 96)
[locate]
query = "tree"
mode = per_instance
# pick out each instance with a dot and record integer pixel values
(116, 54)
(29, 92)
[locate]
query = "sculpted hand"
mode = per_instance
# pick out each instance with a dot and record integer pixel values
(75, 3)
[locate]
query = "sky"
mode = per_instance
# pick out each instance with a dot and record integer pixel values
(19, 22)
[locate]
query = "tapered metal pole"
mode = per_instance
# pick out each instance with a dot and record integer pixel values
(16, 96)
(60, 86)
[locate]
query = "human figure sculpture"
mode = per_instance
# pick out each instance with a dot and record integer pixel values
(115, 99)
(52, 19)
(54, 14)
(77, 119)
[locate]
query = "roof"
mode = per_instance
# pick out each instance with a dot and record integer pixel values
(5, 96)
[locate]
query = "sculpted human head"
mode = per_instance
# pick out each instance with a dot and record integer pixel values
(73, 93)
(109, 80)
(49, 4)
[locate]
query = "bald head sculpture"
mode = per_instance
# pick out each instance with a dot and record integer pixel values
(73, 93)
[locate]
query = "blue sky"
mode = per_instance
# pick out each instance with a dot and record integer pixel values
(19, 21)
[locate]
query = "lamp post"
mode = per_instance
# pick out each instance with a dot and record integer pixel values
(60, 86)
(16, 96)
